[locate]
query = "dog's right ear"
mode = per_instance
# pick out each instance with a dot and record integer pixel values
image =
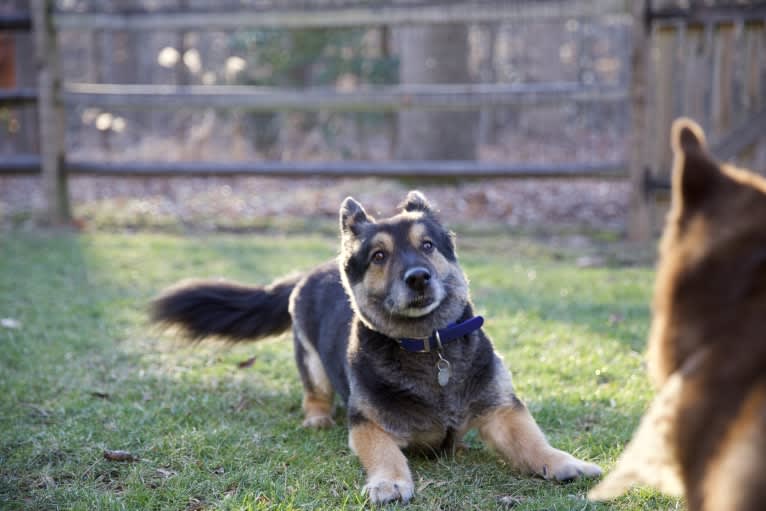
(697, 176)
(352, 217)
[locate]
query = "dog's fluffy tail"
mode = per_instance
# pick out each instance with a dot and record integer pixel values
(232, 311)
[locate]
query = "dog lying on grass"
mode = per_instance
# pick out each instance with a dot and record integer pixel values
(390, 328)
(704, 435)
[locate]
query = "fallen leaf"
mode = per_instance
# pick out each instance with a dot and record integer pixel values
(119, 456)
(98, 393)
(246, 363)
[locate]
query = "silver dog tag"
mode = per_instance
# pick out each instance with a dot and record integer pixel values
(444, 371)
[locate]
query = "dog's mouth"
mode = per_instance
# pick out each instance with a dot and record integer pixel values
(417, 307)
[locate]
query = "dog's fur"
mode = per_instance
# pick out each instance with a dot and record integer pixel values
(395, 278)
(704, 436)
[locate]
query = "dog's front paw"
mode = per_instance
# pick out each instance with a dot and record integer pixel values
(318, 422)
(562, 466)
(383, 489)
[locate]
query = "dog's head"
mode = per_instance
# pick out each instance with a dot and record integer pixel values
(711, 279)
(401, 273)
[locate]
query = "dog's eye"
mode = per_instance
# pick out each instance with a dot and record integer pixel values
(378, 257)
(427, 246)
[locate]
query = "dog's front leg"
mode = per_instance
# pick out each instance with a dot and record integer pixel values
(388, 476)
(511, 431)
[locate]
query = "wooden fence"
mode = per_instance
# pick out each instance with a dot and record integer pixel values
(672, 48)
(708, 63)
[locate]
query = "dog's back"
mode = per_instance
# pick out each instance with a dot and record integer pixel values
(705, 434)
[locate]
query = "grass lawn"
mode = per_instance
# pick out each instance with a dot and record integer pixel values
(81, 371)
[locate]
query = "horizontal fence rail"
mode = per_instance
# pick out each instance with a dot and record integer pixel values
(21, 22)
(372, 98)
(349, 16)
(702, 14)
(396, 169)
(20, 164)
(17, 97)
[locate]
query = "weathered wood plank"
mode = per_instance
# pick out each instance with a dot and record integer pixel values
(662, 84)
(392, 169)
(696, 80)
(360, 15)
(18, 21)
(640, 213)
(745, 133)
(722, 80)
(706, 14)
(20, 164)
(373, 98)
(755, 53)
(17, 97)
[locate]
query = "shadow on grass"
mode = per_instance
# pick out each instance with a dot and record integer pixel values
(620, 318)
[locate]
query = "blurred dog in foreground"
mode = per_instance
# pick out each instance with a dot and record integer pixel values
(704, 435)
(390, 328)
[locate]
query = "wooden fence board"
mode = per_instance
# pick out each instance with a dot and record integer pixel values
(18, 97)
(350, 16)
(722, 80)
(19, 21)
(372, 98)
(396, 169)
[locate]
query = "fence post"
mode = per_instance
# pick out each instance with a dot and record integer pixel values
(639, 214)
(51, 115)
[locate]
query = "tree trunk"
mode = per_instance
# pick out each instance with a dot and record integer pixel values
(432, 55)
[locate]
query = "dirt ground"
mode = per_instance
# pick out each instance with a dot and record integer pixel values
(243, 203)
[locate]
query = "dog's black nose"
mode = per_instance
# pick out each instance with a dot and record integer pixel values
(417, 278)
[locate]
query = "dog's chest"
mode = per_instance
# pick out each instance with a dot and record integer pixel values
(408, 399)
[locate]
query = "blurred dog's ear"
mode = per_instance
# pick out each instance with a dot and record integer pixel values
(416, 201)
(697, 176)
(352, 217)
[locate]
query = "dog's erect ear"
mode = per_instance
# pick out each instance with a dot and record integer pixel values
(696, 175)
(416, 201)
(352, 216)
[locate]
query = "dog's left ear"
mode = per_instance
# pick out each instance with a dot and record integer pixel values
(416, 201)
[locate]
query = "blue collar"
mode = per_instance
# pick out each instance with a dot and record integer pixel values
(442, 336)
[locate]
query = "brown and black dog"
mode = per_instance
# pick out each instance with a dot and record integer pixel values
(704, 436)
(390, 328)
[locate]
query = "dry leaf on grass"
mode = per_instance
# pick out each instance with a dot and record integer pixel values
(246, 363)
(119, 456)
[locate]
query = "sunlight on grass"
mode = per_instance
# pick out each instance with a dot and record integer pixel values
(84, 372)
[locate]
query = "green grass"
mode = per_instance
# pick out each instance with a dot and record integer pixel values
(84, 372)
